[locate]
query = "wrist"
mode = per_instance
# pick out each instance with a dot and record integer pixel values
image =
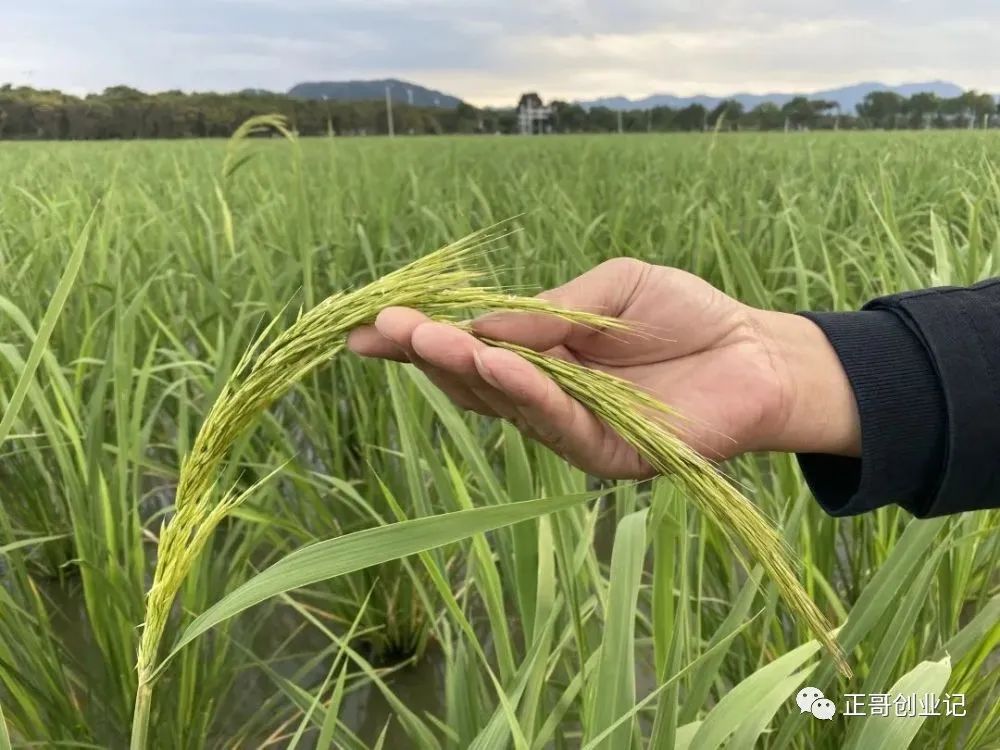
(816, 411)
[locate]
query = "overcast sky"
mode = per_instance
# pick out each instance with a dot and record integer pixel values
(489, 52)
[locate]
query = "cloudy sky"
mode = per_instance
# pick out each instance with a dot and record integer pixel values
(489, 52)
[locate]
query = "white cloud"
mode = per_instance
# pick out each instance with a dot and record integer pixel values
(489, 52)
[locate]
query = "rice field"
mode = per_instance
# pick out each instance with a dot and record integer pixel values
(478, 592)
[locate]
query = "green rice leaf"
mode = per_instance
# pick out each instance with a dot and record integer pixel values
(47, 326)
(24, 543)
(345, 554)
(4, 736)
(897, 732)
(616, 669)
(743, 700)
(753, 727)
(325, 739)
(986, 621)
(685, 734)
(629, 715)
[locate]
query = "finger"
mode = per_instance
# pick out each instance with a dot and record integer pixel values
(449, 355)
(605, 290)
(399, 326)
(368, 342)
(555, 419)
(452, 351)
(464, 398)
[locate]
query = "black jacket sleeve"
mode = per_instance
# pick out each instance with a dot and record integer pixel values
(925, 369)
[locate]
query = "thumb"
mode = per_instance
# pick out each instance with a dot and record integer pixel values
(605, 289)
(548, 414)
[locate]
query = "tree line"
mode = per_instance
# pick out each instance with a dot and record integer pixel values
(880, 109)
(124, 112)
(121, 112)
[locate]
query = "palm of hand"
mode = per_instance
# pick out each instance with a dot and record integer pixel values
(699, 353)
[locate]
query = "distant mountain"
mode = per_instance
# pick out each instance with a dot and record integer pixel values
(848, 97)
(357, 91)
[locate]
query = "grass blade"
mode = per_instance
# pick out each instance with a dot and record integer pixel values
(753, 727)
(629, 715)
(743, 700)
(23, 543)
(335, 557)
(4, 736)
(47, 326)
(897, 732)
(616, 669)
(325, 739)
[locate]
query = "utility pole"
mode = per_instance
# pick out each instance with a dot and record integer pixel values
(388, 112)
(329, 119)
(620, 129)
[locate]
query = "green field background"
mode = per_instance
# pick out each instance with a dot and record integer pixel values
(184, 264)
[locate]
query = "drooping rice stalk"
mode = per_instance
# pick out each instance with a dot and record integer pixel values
(436, 284)
(440, 286)
(641, 421)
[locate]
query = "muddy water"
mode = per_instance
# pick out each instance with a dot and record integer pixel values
(419, 684)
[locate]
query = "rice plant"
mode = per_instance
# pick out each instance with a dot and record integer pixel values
(437, 285)
(516, 602)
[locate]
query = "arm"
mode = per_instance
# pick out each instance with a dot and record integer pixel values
(925, 370)
(860, 396)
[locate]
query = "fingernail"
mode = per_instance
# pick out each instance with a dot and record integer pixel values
(484, 369)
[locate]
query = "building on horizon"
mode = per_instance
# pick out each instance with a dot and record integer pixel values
(533, 117)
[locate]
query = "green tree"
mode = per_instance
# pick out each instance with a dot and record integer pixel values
(692, 117)
(569, 118)
(766, 116)
(603, 120)
(662, 118)
(979, 105)
(726, 113)
(803, 112)
(882, 108)
(922, 108)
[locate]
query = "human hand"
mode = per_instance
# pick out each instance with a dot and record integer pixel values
(744, 379)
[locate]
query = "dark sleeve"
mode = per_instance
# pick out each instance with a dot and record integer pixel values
(925, 369)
